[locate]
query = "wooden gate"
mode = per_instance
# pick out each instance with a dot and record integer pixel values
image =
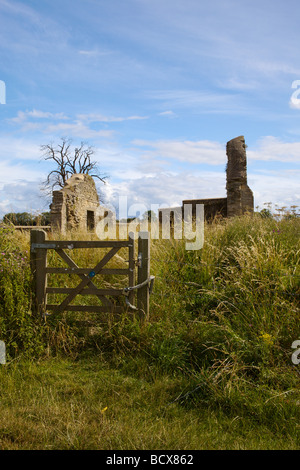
(39, 248)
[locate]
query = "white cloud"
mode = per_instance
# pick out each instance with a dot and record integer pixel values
(170, 190)
(169, 114)
(166, 189)
(268, 148)
(203, 151)
(77, 129)
(22, 116)
(148, 173)
(239, 84)
(271, 148)
(12, 149)
(93, 117)
(81, 126)
(22, 197)
(204, 100)
(53, 123)
(280, 188)
(12, 172)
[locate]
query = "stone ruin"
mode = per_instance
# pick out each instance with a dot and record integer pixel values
(239, 195)
(75, 206)
(239, 198)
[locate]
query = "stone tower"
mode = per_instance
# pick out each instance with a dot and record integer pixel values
(239, 195)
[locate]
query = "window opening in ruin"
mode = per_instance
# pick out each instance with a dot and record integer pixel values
(90, 220)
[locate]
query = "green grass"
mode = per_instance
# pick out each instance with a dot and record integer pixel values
(85, 404)
(210, 369)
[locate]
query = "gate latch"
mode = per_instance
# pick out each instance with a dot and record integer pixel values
(138, 262)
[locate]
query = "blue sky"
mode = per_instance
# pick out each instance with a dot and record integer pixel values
(157, 87)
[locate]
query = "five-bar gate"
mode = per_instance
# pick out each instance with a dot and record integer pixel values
(39, 248)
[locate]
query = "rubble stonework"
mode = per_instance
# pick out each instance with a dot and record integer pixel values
(239, 195)
(74, 207)
(239, 198)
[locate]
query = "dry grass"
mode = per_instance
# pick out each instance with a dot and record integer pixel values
(210, 369)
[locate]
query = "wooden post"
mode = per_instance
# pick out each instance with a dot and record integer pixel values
(38, 262)
(143, 274)
(131, 267)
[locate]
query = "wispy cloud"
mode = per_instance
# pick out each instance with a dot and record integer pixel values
(54, 123)
(169, 114)
(95, 117)
(201, 101)
(23, 116)
(13, 149)
(268, 148)
(203, 151)
(77, 129)
(91, 53)
(271, 148)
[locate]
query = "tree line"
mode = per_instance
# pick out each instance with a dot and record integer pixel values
(26, 219)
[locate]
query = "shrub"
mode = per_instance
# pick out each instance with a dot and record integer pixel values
(19, 329)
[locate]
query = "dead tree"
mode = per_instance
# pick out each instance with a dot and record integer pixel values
(69, 161)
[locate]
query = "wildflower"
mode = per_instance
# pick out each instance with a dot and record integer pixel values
(267, 338)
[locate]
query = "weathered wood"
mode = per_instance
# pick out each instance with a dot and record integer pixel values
(39, 247)
(32, 227)
(75, 244)
(131, 276)
(85, 291)
(38, 262)
(87, 280)
(73, 265)
(143, 274)
(87, 308)
(86, 271)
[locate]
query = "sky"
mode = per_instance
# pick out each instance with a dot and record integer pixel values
(157, 87)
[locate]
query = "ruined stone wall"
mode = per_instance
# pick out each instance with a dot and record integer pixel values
(239, 198)
(74, 206)
(212, 207)
(239, 195)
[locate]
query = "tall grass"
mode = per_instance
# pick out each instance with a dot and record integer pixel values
(20, 330)
(222, 319)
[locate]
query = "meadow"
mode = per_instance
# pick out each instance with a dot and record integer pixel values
(211, 368)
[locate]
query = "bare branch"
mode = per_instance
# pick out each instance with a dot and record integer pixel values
(68, 162)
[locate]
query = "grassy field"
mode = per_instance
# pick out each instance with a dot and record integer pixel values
(210, 369)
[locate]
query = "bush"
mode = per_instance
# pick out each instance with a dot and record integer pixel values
(19, 329)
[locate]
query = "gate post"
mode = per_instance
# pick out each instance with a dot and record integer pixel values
(131, 267)
(38, 263)
(143, 274)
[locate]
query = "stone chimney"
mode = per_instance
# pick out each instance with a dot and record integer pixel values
(239, 195)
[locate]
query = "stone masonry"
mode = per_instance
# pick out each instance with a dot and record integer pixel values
(74, 207)
(239, 198)
(239, 195)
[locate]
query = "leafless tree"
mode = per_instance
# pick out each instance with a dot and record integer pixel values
(68, 162)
